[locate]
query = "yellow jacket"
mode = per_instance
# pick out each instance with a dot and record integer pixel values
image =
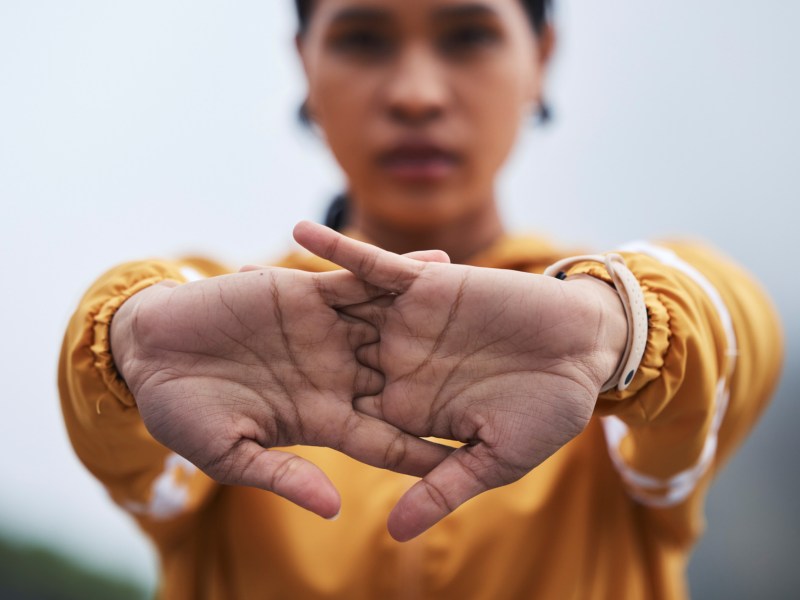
(613, 514)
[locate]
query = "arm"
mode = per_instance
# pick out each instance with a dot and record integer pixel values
(103, 423)
(221, 371)
(512, 364)
(712, 361)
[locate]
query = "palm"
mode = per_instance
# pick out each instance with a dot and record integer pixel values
(226, 368)
(498, 360)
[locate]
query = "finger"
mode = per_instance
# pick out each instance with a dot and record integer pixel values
(439, 256)
(370, 405)
(412, 418)
(373, 312)
(368, 382)
(379, 444)
(342, 288)
(283, 473)
(248, 268)
(468, 471)
(369, 355)
(380, 268)
(360, 332)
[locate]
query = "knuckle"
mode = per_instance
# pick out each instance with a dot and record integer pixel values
(396, 452)
(233, 466)
(332, 250)
(219, 469)
(368, 263)
(438, 498)
(489, 468)
(284, 472)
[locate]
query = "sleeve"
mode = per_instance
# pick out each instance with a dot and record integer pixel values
(159, 488)
(712, 360)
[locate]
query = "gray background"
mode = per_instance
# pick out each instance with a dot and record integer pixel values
(134, 129)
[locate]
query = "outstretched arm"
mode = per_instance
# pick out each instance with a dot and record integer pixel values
(712, 359)
(224, 369)
(105, 428)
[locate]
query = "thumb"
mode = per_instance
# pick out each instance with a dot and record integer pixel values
(464, 474)
(296, 479)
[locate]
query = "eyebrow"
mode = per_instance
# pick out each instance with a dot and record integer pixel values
(361, 13)
(464, 11)
(378, 15)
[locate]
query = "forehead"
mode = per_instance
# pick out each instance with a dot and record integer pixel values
(335, 11)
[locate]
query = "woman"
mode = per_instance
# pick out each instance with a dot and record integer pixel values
(420, 102)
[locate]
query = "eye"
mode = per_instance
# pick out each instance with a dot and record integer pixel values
(362, 42)
(468, 38)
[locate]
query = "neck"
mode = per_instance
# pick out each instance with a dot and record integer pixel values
(461, 238)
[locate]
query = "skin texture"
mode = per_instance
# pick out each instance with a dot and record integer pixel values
(508, 363)
(226, 368)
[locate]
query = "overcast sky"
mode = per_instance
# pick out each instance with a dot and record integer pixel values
(136, 129)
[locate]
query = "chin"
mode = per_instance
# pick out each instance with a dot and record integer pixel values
(421, 212)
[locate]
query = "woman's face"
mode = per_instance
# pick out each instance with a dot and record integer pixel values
(421, 100)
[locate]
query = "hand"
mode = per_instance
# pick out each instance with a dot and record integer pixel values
(508, 363)
(226, 368)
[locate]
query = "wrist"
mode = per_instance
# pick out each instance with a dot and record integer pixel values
(121, 335)
(610, 325)
(630, 294)
(123, 330)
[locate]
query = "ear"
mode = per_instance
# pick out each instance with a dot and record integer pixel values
(546, 42)
(305, 110)
(545, 46)
(299, 44)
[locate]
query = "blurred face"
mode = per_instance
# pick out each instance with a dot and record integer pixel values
(421, 100)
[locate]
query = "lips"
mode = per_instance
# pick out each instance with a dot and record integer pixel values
(419, 161)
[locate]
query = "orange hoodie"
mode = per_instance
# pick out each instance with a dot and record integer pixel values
(613, 514)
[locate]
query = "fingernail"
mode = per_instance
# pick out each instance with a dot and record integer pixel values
(335, 517)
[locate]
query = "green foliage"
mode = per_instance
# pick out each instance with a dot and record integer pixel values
(30, 572)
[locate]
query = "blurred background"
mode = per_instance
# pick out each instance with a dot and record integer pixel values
(149, 128)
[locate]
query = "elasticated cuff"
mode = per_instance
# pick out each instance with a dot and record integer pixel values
(101, 343)
(658, 336)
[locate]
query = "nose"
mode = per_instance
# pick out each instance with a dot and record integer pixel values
(416, 92)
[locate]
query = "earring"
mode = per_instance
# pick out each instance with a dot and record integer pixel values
(544, 114)
(304, 114)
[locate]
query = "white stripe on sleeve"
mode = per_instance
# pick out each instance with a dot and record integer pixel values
(658, 492)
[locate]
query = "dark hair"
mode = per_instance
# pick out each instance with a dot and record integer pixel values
(538, 12)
